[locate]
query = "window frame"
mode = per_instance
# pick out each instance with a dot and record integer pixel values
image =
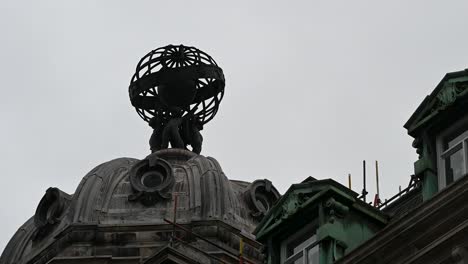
(443, 154)
(312, 228)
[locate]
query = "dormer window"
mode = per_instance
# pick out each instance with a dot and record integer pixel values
(452, 149)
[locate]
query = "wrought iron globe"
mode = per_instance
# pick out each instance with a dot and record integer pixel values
(177, 80)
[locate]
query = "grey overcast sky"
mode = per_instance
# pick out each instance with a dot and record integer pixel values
(313, 87)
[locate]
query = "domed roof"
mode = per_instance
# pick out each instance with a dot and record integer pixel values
(127, 193)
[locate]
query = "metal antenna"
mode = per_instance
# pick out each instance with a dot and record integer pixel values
(377, 176)
(364, 191)
(377, 196)
(349, 181)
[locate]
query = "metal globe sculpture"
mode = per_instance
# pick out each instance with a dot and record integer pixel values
(177, 89)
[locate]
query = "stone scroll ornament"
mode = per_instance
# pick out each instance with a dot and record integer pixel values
(177, 90)
(151, 180)
(261, 195)
(50, 210)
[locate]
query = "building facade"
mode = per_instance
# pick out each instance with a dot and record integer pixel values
(177, 206)
(109, 220)
(173, 206)
(322, 221)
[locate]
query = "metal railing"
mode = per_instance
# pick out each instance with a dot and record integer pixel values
(238, 257)
(414, 183)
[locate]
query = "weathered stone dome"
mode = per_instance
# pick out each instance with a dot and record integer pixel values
(118, 211)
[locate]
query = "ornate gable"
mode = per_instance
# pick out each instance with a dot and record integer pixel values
(307, 194)
(451, 88)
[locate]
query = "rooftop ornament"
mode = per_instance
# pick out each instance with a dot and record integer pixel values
(177, 90)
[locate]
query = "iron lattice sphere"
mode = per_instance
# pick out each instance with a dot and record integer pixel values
(177, 77)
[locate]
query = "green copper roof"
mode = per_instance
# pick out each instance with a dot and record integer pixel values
(308, 194)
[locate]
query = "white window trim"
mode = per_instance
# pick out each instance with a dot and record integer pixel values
(441, 153)
(312, 228)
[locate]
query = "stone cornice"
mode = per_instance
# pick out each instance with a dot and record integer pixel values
(77, 233)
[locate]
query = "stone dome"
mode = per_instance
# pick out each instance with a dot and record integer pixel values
(119, 211)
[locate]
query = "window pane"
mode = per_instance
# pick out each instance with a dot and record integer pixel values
(313, 255)
(295, 248)
(454, 167)
(299, 261)
(299, 244)
(455, 138)
(296, 259)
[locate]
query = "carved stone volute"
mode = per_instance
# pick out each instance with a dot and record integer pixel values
(50, 211)
(151, 179)
(335, 210)
(261, 195)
